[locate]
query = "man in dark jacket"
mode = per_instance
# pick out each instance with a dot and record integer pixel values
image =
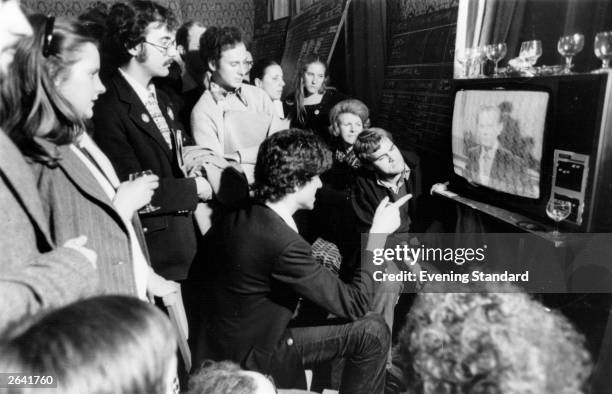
(264, 267)
(137, 127)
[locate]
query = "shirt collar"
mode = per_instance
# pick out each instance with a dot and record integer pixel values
(142, 92)
(281, 210)
(395, 187)
(219, 93)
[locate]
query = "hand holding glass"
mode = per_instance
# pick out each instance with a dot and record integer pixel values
(603, 49)
(558, 210)
(495, 53)
(147, 208)
(569, 46)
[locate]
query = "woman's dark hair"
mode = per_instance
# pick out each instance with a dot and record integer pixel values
(31, 105)
(259, 69)
(127, 24)
(299, 84)
(106, 344)
(215, 40)
(288, 160)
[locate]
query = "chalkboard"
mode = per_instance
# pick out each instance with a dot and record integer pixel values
(314, 30)
(416, 98)
(269, 40)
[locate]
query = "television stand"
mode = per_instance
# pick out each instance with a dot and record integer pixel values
(542, 230)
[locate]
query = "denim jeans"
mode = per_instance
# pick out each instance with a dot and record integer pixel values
(364, 344)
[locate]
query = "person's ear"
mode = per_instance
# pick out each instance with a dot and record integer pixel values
(181, 50)
(212, 65)
(135, 50)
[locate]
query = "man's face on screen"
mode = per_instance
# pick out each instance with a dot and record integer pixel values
(489, 127)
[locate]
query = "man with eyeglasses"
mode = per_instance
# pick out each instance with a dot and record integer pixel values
(138, 128)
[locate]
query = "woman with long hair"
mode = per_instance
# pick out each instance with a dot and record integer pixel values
(313, 98)
(55, 79)
(33, 273)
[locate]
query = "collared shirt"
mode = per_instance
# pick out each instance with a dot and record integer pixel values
(485, 163)
(397, 186)
(104, 173)
(222, 95)
(281, 210)
(143, 92)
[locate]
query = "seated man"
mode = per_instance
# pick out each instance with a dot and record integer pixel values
(263, 267)
(387, 173)
(485, 342)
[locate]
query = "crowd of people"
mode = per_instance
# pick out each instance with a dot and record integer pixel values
(140, 159)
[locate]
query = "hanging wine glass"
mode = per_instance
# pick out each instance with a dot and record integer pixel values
(558, 210)
(603, 49)
(495, 53)
(569, 46)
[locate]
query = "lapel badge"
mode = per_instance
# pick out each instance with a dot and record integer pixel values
(316, 112)
(145, 118)
(170, 113)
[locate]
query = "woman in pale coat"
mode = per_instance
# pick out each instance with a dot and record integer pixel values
(33, 275)
(78, 185)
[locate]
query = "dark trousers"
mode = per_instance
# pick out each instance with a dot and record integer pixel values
(363, 344)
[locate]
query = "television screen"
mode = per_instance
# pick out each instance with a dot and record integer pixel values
(497, 139)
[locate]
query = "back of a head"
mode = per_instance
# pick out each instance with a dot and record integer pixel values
(107, 344)
(288, 160)
(226, 377)
(215, 40)
(491, 343)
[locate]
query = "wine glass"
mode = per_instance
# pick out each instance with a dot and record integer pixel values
(569, 46)
(462, 58)
(531, 51)
(476, 56)
(558, 210)
(135, 175)
(495, 53)
(603, 49)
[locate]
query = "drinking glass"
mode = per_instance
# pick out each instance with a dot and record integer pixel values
(569, 46)
(476, 57)
(531, 51)
(558, 210)
(462, 58)
(603, 49)
(495, 53)
(135, 175)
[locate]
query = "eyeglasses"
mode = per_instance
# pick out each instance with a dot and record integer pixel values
(48, 38)
(163, 49)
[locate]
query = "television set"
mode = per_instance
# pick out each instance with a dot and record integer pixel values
(519, 142)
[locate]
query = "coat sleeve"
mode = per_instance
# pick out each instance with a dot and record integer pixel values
(364, 202)
(172, 195)
(48, 280)
(205, 130)
(297, 268)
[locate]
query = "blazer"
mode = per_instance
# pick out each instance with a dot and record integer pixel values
(126, 133)
(33, 273)
(262, 268)
(75, 204)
